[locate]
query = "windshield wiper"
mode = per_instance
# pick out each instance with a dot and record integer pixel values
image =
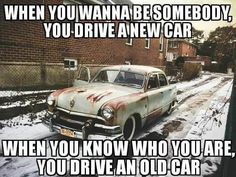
(128, 84)
(134, 85)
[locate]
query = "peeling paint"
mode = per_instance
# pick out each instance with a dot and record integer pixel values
(155, 113)
(95, 98)
(58, 92)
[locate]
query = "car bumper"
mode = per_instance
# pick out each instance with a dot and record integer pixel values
(84, 130)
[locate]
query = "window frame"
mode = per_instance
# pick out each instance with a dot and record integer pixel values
(161, 43)
(149, 43)
(141, 86)
(75, 66)
(129, 41)
(160, 82)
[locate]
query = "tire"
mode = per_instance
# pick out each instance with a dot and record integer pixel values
(129, 128)
(170, 109)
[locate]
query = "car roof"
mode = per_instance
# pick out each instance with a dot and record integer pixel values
(134, 68)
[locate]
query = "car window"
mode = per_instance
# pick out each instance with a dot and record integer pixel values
(162, 80)
(83, 74)
(120, 77)
(153, 82)
(106, 76)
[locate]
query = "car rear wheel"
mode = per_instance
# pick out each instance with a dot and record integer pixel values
(170, 109)
(129, 128)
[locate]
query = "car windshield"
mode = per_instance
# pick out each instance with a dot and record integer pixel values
(120, 77)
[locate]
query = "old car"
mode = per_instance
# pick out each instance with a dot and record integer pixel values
(116, 103)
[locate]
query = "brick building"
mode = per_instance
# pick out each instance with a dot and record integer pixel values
(203, 60)
(180, 47)
(23, 47)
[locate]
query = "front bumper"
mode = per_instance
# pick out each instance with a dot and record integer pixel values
(81, 130)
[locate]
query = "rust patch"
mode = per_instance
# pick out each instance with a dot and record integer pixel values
(69, 90)
(143, 98)
(95, 98)
(58, 92)
(66, 90)
(90, 96)
(155, 113)
(102, 96)
(117, 105)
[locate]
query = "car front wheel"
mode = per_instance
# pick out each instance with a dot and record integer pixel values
(129, 128)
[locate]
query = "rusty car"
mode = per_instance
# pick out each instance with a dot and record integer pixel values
(116, 103)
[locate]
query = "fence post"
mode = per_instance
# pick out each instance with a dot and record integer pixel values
(68, 80)
(43, 73)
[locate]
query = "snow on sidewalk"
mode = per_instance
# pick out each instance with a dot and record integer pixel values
(11, 93)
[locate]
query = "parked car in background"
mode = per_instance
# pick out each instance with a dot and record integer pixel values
(116, 103)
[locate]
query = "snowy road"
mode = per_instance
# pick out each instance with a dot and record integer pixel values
(201, 113)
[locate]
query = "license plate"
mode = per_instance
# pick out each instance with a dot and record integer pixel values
(67, 132)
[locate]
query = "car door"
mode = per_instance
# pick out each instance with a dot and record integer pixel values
(84, 76)
(165, 90)
(154, 97)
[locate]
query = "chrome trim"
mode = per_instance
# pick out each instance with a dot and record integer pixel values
(107, 127)
(96, 124)
(81, 114)
(79, 134)
(72, 121)
(146, 115)
(64, 110)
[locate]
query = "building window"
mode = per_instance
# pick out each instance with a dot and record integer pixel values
(70, 64)
(173, 44)
(161, 43)
(147, 43)
(174, 56)
(129, 41)
(128, 62)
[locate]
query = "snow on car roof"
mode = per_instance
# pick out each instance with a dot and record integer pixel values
(134, 68)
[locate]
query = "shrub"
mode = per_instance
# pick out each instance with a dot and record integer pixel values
(191, 70)
(179, 62)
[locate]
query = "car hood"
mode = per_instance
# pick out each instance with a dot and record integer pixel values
(89, 98)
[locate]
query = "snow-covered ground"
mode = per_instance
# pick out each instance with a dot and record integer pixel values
(20, 104)
(11, 93)
(201, 113)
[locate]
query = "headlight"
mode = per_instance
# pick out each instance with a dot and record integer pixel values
(50, 101)
(107, 113)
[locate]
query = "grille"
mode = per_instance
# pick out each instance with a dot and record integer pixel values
(78, 118)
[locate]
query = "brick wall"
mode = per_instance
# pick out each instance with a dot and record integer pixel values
(187, 49)
(183, 48)
(25, 42)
